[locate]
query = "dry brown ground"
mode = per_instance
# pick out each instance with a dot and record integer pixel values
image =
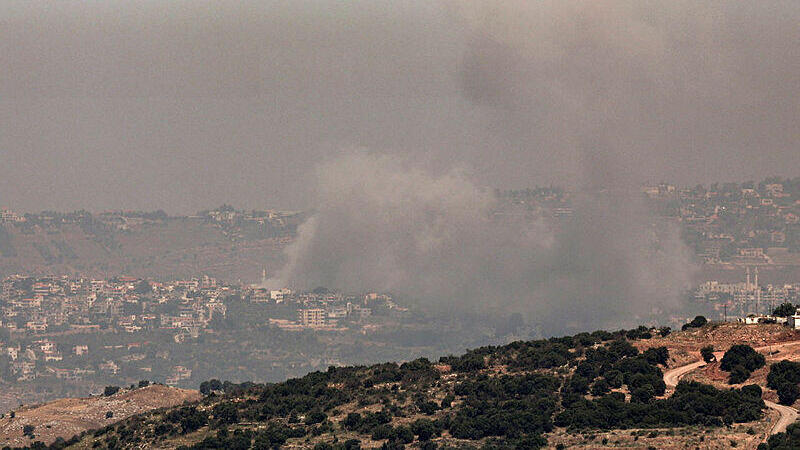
(712, 374)
(684, 345)
(68, 417)
(684, 348)
(745, 435)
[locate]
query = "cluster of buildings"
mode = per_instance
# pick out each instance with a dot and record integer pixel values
(744, 223)
(9, 217)
(736, 222)
(241, 224)
(751, 302)
(123, 304)
(323, 310)
(59, 327)
(552, 201)
(39, 315)
(748, 296)
(41, 357)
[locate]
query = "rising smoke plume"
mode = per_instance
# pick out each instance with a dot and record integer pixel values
(383, 224)
(594, 90)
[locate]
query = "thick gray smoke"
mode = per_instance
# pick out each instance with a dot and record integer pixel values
(599, 92)
(647, 86)
(200, 103)
(383, 224)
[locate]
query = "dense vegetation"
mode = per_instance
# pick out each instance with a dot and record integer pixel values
(707, 353)
(784, 377)
(784, 441)
(740, 360)
(785, 310)
(697, 322)
(496, 397)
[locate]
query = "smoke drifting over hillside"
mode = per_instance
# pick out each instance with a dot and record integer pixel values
(598, 92)
(380, 224)
(201, 103)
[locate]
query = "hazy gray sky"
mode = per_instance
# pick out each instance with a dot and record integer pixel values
(183, 105)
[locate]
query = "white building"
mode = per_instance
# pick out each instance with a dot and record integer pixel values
(280, 295)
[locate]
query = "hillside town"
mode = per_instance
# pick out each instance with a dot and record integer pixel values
(744, 223)
(747, 298)
(747, 223)
(75, 329)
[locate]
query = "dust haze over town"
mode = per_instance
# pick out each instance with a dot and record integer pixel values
(394, 139)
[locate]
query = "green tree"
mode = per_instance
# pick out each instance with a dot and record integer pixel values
(707, 353)
(783, 372)
(697, 322)
(742, 355)
(788, 393)
(110, 390)
(739, 374)
(784, 310)
(225, 413)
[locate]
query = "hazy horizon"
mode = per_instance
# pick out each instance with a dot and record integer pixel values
(187, 105)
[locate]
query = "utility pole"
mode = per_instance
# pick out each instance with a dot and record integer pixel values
(725, 306)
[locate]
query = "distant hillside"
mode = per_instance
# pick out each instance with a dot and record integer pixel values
(165, 249)
(592, 390)
(68, 417)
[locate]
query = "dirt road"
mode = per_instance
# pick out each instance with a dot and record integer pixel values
(672, 376)
(788, 414)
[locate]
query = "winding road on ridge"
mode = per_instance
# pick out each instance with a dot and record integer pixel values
(788, 414)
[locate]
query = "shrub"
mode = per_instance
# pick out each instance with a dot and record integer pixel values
(789, 439)
(643, 394)
(783, 372)
(352, 421)
(382, 431)
(784, 310)
(752, 390)
(707, 353)
(315, 417)
(697, 322)
(189, 418)
(225, 413)
(447, 401)
(739, 374)
(207, 387)
(691, 404)
(742, 360)
(600, 387)
(402, 434)
(657, 355)
(614, 378)
(788, 393)
(352, 444)
(110, 390)
(424, 428)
